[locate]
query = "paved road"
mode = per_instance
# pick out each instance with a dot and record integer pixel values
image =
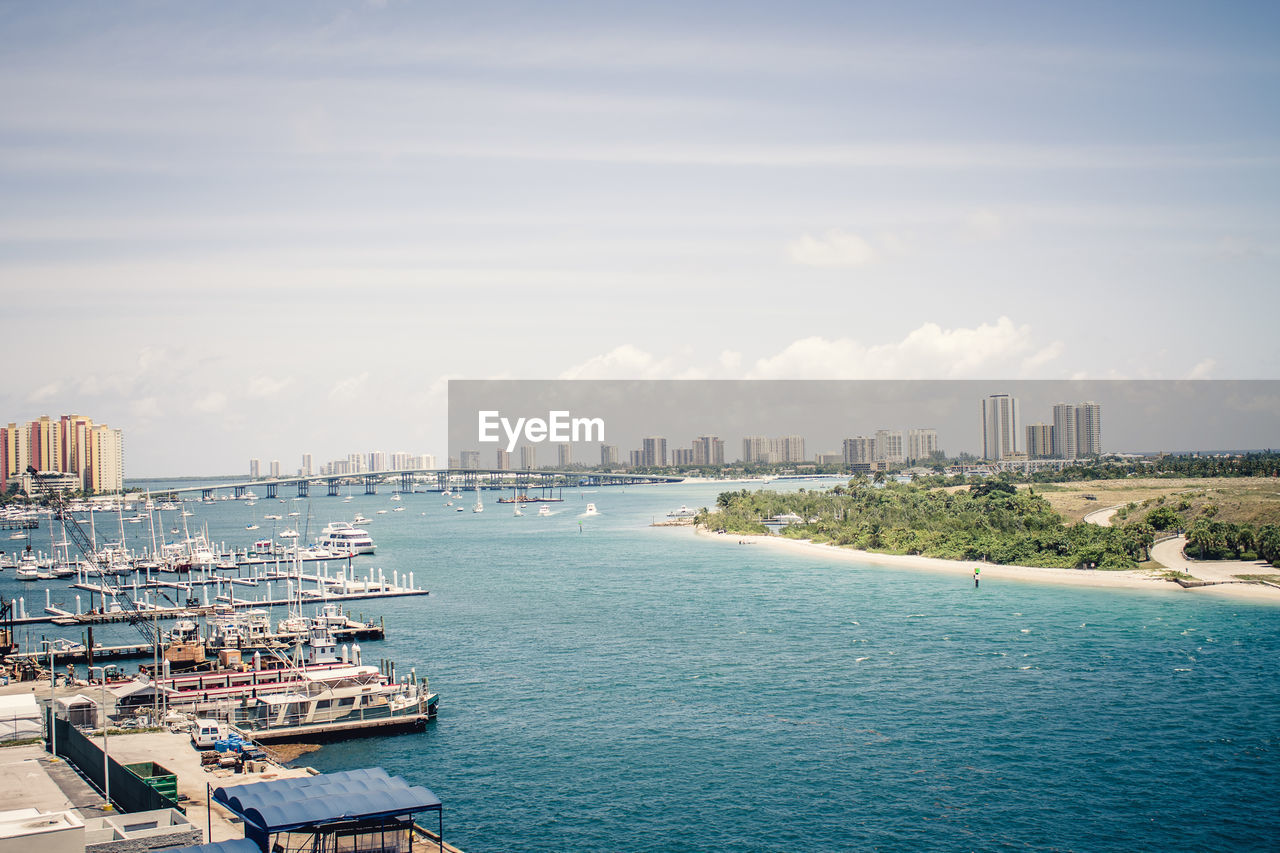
(1170, 554)
(1102, 517)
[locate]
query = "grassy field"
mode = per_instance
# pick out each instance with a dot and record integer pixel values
(1255, 500)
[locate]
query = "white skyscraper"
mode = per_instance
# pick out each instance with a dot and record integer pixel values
(1089, 429)
(1064, 431)
(889, 446)
(921, 444)
(999, 426)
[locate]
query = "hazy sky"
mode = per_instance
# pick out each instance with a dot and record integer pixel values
(262, 229)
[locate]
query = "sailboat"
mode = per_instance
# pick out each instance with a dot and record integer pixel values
(516, 500)
(479, 507)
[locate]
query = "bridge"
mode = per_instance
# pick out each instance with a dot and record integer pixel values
(445, 479)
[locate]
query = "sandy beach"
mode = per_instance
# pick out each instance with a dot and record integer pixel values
(1140, 580)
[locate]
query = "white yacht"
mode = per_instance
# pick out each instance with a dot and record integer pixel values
(682, 512)
(346, 538)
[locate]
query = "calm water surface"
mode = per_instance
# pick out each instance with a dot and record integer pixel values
(611, 686)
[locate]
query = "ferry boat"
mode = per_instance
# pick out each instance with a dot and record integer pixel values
(345, 538)
(682, 512)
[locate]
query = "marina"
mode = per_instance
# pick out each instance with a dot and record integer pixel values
(570, 659)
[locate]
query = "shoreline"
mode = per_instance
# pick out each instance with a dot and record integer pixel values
(1130, 579)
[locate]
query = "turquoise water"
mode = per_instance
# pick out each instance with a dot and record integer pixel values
(628, 687)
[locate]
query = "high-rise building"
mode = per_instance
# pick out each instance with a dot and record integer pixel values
(682, 457)
(1089, 429)
(275, 468)
(70, 445)
(788, 448)
(829, 458)
(469, 459)
(504, 460)
(889, 447)
(1064, 431)
(708, 450)
(528, 457)
(608, 455)
(377, 460)
(654, 448)
(755, 448)
(999, 426)
(921, 444)
(356, 463)
(1040, 441)
(637, 458)
(564, 455)
(306, 465)
(426, 460)
(255, 469)
(860, 450)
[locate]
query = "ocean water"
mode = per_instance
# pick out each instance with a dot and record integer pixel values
(606, 685)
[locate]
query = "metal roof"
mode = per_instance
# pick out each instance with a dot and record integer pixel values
(284, 804)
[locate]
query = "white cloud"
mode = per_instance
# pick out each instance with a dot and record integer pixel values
(990, 350)
(621, 362)
(929, 352)
(146, 409)
(1202, 370)
(835, 248)
(349, 389)
(261, 387)
(214, 401)
(985, 224)
(44, 393)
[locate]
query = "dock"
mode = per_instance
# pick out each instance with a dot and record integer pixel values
(133, 651)
(324, 732)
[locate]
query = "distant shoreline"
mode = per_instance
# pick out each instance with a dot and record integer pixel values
(1132, 579)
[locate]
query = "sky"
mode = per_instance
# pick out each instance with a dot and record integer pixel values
(244, 230)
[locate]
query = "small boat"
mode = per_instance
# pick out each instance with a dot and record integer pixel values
(251, 527)
(398, 509)
(591, 510)
(360, 519)
(288, 533)
(28, 574)
(479, 507)
(544, 510)
(381, 512)
(682, 512)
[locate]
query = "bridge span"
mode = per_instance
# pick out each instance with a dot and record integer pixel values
(444, 479)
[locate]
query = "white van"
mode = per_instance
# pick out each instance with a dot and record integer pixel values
(206, 732)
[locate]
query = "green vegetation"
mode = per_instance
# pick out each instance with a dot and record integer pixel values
(991, 521)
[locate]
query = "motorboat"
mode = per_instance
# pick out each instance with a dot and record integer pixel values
(591, 510)
(682, 512)
(544, 510)
(346, 538)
